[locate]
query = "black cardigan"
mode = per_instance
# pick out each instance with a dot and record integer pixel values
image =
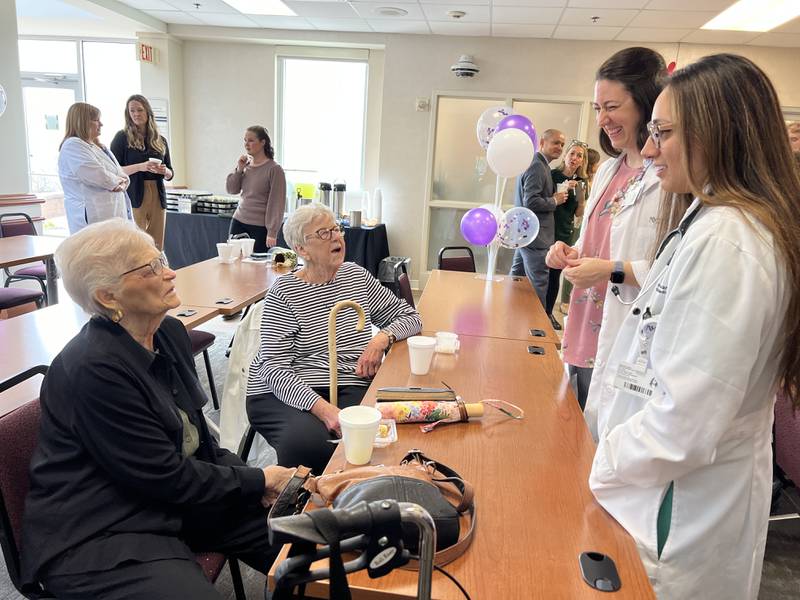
(127, 156)
(108, 479)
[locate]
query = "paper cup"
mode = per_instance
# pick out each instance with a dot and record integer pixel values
(562, 187)
(248, 245)
(420, 353)
(155, 160)
(225, 251)
(447, 342)
(237, 247)
(359, 426)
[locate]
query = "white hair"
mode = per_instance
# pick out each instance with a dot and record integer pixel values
(94, 258)
(297, 221)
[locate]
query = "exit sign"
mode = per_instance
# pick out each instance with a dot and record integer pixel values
(146, 53)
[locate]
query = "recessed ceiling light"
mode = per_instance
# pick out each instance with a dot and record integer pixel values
(391, 11)
(261, 7)
(755, 15)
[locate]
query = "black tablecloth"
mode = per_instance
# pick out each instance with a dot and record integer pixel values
(192, 238)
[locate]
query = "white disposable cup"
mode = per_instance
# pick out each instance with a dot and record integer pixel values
(238, 247)
(225, 251)
(155, 160)
(447, 342)
(562, 187)
(248, 245)
(420, 353)
(359, 427)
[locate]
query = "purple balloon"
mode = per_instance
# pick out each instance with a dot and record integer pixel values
(522, 123)
(478, 226)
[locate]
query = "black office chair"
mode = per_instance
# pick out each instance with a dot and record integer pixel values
(463, 261)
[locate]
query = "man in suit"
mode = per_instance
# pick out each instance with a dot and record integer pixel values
(535, 190)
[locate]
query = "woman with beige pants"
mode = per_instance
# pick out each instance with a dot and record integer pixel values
(144, 156)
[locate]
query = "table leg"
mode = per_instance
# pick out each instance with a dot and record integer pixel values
(52, 281)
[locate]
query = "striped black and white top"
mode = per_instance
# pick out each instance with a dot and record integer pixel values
(293, 354)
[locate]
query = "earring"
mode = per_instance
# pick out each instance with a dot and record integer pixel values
(117, 316)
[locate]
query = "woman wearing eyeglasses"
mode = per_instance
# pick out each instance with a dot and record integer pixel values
(262, 184)
(684, 460)
(288, 385)
(572, 170)
(618, 230)
(126, 481)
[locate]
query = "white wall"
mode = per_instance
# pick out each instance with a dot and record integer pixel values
(13, 148)
(231, 85)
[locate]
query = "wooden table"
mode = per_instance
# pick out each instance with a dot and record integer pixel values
(535, 512)
(468, 304)
(35, 338)
(204, 283)
(22, 249)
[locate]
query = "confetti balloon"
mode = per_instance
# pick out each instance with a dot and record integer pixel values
(518, 227)
(487, 123)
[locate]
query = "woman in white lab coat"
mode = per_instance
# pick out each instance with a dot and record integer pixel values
(94, 184)
(685, 413)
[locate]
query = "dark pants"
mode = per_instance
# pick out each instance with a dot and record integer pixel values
(299, 438)
(239, 532)
(257, 232)
(583, 377)
(552, 290)
(530, 261)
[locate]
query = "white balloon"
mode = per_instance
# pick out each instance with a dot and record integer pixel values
(488, 121)
(510, 152)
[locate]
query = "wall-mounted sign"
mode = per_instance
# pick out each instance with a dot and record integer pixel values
(145, 53)
(3, 101)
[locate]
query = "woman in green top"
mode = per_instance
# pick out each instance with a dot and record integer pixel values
(572, 170)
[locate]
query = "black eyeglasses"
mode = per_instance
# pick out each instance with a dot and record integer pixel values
(657, 129)
(326, 234)
(156, 266)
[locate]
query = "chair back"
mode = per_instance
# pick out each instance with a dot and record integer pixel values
(19, 433)
(404, 288)
(787, 439)
(12, 224)
(456, 258)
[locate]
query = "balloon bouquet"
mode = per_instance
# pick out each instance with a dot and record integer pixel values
(510, 142)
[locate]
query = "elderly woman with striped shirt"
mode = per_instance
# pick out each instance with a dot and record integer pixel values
(288, 384)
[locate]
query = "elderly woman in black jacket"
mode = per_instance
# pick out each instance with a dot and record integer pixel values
(127, 482)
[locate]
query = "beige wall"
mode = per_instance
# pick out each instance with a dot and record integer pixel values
(13, 148)
(231, 85)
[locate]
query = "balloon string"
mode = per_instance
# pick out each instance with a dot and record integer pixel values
(500, 404)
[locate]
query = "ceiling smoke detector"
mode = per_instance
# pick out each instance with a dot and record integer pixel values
(465, 67)
(391, 11)
(456, 14)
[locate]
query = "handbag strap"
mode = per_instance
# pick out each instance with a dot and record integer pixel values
(291, 498)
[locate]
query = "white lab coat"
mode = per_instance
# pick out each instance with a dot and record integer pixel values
(88, 174)
(718, 310)
(633, 235)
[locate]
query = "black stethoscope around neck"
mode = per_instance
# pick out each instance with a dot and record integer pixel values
(679, 231)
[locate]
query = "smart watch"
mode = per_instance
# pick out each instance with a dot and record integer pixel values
(618, 274)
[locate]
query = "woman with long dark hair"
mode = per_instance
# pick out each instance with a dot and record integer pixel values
(262, 184)
(685, 407)
(144, 156)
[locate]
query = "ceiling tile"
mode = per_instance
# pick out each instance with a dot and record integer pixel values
(715, 5)
(531, 3)
(647, 34)
(788, 40)
(341, 24)
(458, 28)
(214, 6)
(321, 10)
(595, 32)
(522, 31)
(174, 16)
(399, 26)
(226, 20)
(520, 14)
(438, 12)
(278, 22)
(368, 10)
(607, 17)
(792, 26)
(672, 19)
(149, 4)
(607, 3)
(461, 4)
(702, 36)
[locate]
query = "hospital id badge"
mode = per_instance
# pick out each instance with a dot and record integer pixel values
(636, 379)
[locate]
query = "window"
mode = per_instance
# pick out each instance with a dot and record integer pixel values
(110, 76)
(321, 119)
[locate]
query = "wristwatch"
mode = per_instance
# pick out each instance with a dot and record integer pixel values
(392, 338)
(618, 274)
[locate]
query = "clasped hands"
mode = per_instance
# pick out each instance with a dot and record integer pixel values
(582, 272)
(275, 479)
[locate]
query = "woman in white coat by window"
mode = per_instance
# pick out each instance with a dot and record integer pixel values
(685, 413)
(93, 182)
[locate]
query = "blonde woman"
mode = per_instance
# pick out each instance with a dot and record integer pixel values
(144, 156)
(793, 129)
(94, 183)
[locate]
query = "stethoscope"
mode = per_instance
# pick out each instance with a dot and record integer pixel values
(679, 231)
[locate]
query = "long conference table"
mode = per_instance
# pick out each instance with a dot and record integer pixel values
(535, 512)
